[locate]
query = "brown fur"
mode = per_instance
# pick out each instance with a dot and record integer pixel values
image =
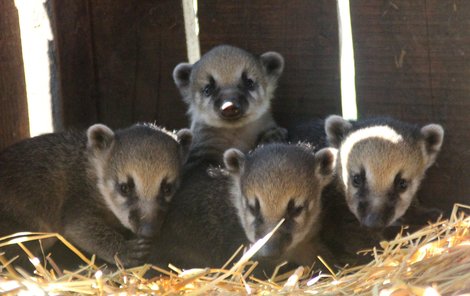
(69, 183)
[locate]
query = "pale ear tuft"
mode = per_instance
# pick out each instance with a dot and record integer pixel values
(234, 160)
(326, 161)
(336, 128)
(181, 75)
(433, 135)
(273, 62)
(185, 138)
(100, 137)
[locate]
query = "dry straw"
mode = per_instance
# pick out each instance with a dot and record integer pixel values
(433, 261)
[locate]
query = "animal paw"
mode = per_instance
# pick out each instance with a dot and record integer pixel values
(135, 251)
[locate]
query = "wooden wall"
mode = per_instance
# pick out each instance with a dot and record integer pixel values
(115, 59)
(13, 104)
(413, 63)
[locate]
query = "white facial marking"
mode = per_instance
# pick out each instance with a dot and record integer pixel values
(382, 132)
(116, 205)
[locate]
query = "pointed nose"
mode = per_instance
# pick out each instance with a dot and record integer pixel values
(147, 230)
(230, 109)
(374, 220)
(270, 251)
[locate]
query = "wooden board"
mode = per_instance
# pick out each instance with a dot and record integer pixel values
(137, 45)
(14, 124)
(412, 63)
(75, 83)
(304, 32)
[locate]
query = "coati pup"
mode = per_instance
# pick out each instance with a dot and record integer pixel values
(258, 189)
(229, 93)
(105, 191)
(381, 163)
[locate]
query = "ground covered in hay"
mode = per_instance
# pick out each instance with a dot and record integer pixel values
(432, 261)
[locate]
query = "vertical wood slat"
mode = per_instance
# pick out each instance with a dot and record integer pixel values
(412, 63)
(14, 124)
(75, 100)
(137, 45)
(304, 32)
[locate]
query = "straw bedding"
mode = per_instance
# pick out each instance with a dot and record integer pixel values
(432, 261)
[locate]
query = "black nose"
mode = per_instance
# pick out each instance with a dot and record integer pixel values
(270, 251)
(374, 220)
(230, 109)
(147, 230)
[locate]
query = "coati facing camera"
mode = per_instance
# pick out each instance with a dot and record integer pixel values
(229, 93)
(381, 163)
(104, 191)
(272, 182)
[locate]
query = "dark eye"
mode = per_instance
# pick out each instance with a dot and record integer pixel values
(401, 184)
(208, 90)
(357, 180)
(293, 210)
(254, 209)
(166, 188)
(127, 188)
(249, 83)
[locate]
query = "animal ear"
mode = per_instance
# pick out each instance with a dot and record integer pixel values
(336, 128)
(100, 137)
(433, 135)
(234, 160)
(185, 138)
(273, 63)
(326, 162)
(181, 76)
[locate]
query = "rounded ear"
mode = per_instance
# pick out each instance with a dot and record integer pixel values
(181, 75)
(336, 128)
(185, 138)
(273, 62)
(325, 160)
(433, 135)
(234, 160)
(100, 137)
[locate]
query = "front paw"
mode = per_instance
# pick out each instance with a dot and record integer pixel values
(134, 252)
(272, 135)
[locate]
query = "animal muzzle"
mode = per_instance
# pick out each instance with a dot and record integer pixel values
(231, 105)
(230, 109)
(374, 220)
(275, 247)
(151, 228)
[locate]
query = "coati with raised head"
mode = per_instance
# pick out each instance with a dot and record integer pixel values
(272, 182)
(105, 191)
(229, 93)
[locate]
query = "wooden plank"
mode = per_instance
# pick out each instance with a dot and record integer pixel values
(412, 63)
(304, 32)
(449, 55)
(75, 81)
(14, 124)
(137, 45)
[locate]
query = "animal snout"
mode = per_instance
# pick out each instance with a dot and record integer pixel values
(230, 108)
(270, 251)
(147, 230)
(374, 220)
(275, 247)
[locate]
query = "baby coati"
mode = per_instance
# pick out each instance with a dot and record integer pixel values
(229, 93)
(104, 191)
(381, 163)
(258, 189)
